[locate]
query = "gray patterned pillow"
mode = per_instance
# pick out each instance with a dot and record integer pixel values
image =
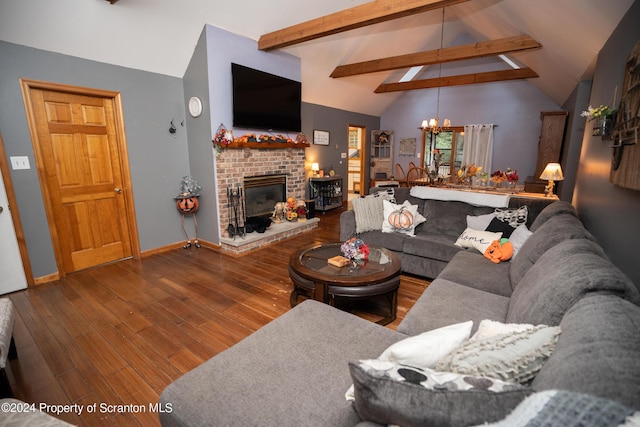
(388, 393)
(515, 356)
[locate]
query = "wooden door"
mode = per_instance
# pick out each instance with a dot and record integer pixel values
(81, 157)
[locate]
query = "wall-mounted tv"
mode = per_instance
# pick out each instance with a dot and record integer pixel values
(265, 101)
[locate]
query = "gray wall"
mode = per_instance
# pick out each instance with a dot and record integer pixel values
(336, 122)
(608, 211)
(157, 159)
(200, 146)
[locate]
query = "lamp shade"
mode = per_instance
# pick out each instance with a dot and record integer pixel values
(552, 172)
(315, 167)
(433, 123)
(425, 124)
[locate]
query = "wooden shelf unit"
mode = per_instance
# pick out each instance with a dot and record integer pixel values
(327, 192)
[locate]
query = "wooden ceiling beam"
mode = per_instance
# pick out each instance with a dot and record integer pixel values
(438, 56)
(460, 80)
(349, 19)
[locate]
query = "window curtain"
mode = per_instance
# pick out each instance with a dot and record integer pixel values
(478, 146)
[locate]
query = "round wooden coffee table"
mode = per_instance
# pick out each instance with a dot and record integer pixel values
(313, 277)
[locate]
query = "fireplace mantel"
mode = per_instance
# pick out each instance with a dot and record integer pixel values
(267, 145)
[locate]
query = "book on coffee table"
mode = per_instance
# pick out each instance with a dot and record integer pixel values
(338, 261)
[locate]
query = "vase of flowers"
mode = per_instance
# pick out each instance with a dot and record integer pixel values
(355, 249)
(512, 178)
(603, 118)
(466, 174)
(498, 177)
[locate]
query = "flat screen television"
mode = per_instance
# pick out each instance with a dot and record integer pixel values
(265, 101)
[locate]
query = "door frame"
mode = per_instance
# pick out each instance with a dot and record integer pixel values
(15, 215)
(121, 142)
(364, 148)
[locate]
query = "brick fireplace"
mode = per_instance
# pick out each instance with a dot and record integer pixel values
(233, 165)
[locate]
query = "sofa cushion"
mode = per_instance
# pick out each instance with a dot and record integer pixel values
(598, 351)
(560, 408)
(557, 229)
(391, 241)
(444, 303)
(559, 207)
(426, 349)
(368, 210)
(401, 395)
(562, 276)
(302, 356)
(434, 246)
(516, 356)
(448, 217)
(474, 270)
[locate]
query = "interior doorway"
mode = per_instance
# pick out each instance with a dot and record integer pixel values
(356, 162)
(80, 151)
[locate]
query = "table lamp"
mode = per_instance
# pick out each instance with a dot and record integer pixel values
(552, 172)
(315, 168)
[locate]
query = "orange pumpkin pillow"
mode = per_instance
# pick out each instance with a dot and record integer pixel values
(499, 250)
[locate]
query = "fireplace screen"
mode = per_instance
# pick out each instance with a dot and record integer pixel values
(263, 192)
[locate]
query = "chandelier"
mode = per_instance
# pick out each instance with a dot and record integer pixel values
(433, 124)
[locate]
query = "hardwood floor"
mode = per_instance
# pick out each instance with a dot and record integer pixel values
(118, 334)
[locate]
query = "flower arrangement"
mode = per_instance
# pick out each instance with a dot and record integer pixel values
(499, 176)
(594, 113)
(355, 249)
(465, 173)
(295, 210)
(222, 138)
(512, 175)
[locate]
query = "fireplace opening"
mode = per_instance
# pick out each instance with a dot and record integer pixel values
(262, 193)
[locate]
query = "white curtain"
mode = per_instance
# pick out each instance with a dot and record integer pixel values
(478, 146)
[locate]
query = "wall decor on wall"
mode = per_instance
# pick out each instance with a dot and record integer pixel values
(625, 162)
(320, 137)
(407, 147)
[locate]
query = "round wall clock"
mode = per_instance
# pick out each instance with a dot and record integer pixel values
(195, 106)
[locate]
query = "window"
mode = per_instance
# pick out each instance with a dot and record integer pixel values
(449, 143)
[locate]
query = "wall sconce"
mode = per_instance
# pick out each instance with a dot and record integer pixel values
(315, 168)
(552, 172)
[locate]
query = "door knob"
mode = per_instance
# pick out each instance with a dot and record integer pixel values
(118, 190)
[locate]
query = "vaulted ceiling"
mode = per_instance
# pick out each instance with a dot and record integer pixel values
(160, 35)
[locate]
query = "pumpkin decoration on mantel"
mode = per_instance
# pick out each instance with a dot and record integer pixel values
(401, 219)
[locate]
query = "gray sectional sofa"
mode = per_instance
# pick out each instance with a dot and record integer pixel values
(430, 250)
(295, 370)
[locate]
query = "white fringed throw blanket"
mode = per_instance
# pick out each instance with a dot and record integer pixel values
(478, 198)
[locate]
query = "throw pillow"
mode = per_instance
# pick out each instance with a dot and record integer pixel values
(490, 328)
(560, 408)
(402, 218)
(477, 239)
(513, 217)
(515, 356)
(497, 225)
(388, 393)
(518, 237)
(368, 210)
(480, 222)
(425, 350)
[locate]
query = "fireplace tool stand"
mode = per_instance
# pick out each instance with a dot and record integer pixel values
(237, 213)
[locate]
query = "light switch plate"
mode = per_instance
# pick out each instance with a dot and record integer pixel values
(20, 162)
(343, 155)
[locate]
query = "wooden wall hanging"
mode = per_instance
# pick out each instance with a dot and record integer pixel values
(625, 163)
